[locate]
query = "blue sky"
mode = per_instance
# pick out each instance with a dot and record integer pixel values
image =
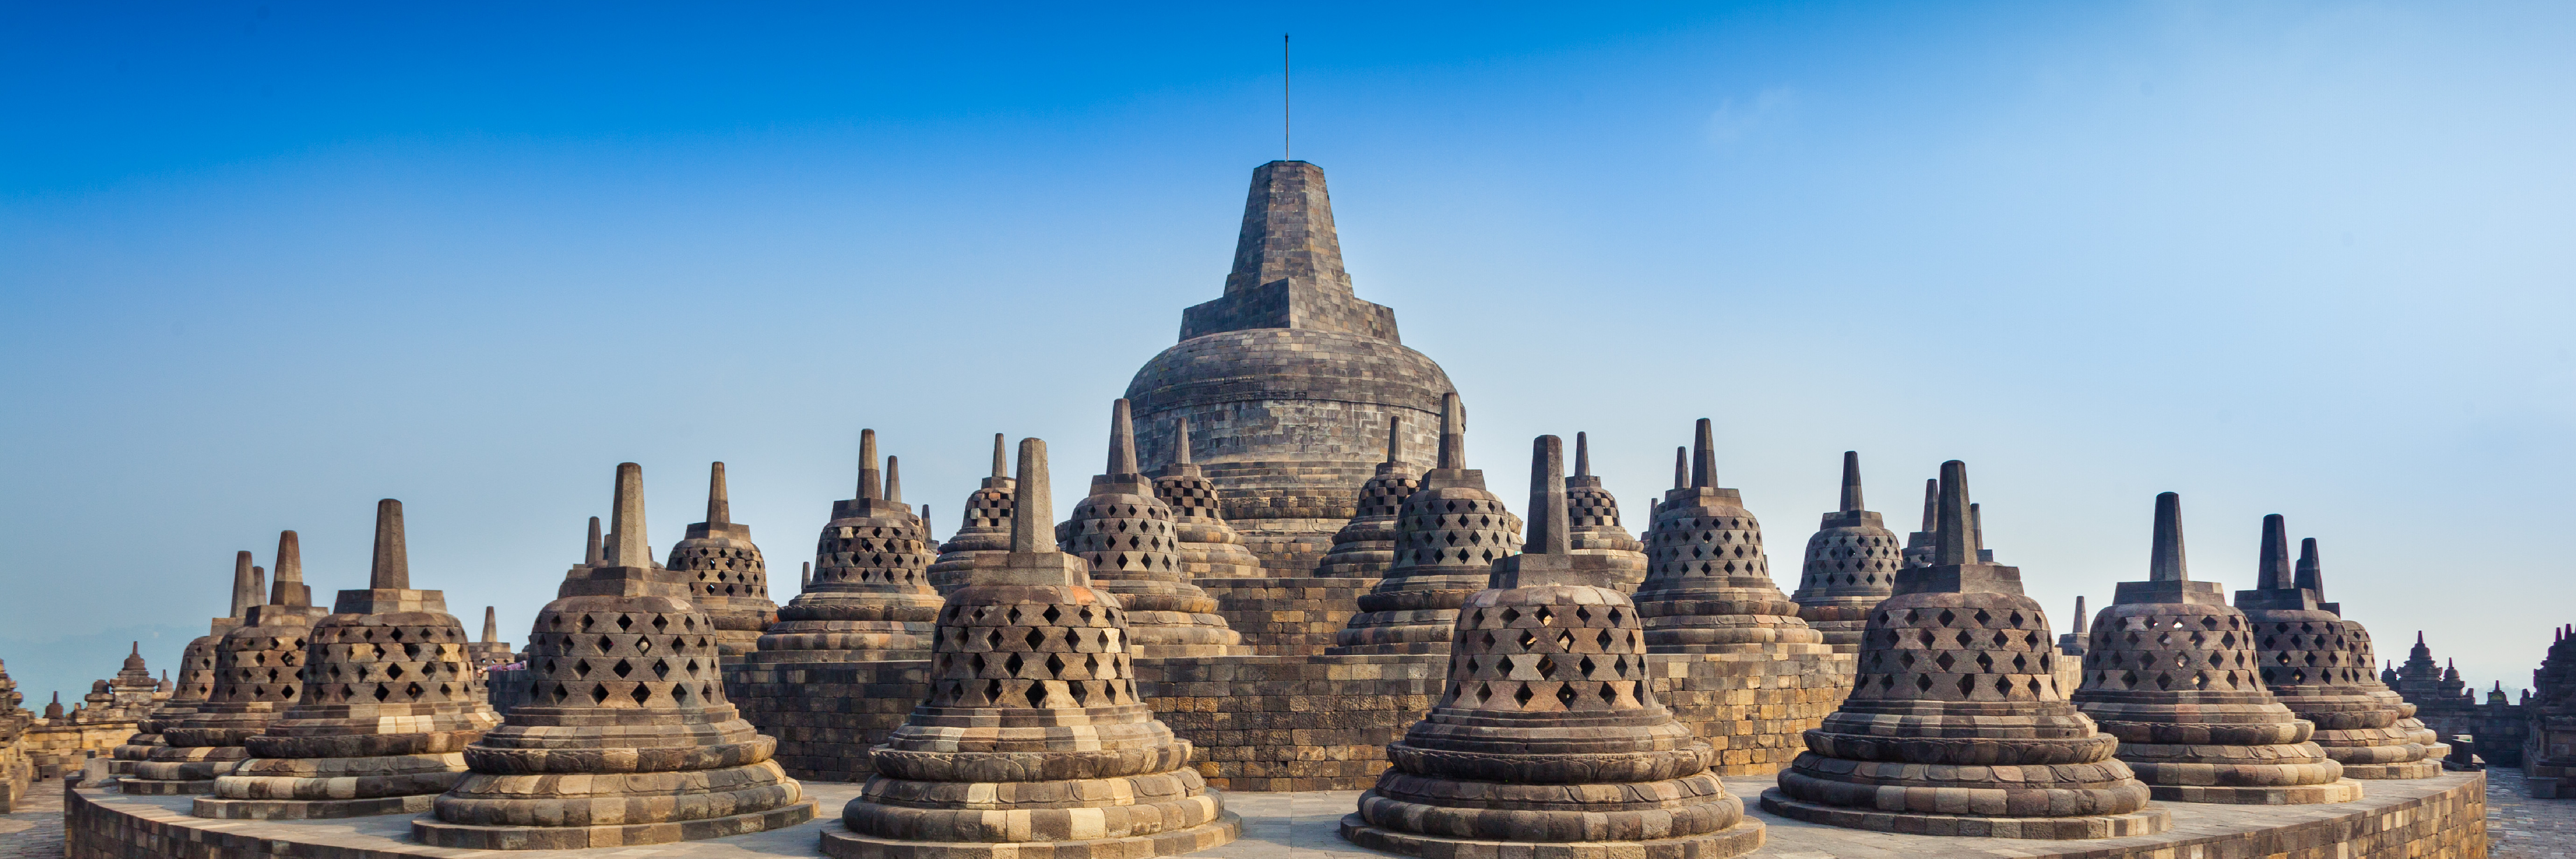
(268, 263)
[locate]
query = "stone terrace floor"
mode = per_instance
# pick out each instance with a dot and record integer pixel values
(2520, 827)
(1303, 825)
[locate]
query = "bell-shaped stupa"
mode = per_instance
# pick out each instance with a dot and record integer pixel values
(391, 699)
(1593, 516)
(1851, 564)
(1365, 546)
(626, 737)
(1209, 548)
(1128, 537)
(730, 581)
(2173, 672)
(2304, 651)
(1447, 539)
(1955, 724)
(490, 650)
(1710, 588)
(1548, 739)
(871, 596)
(196, 672)
(1287, 379)
(258, 674)
(1033, 742)
(983, 536)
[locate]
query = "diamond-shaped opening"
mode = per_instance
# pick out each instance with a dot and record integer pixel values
(1565, 695)
(598, 694)
(623, 668)
(661, 668)
(1526, 639)
(1037, 639)
(581, 668)
(1923, 682)
(625, 622)
(641, 693)
(1524, 695)
(1012, 665)
(382, 692)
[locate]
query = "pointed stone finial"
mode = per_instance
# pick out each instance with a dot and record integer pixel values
(893, 481)
(626, 520)
(491, 626)
(2272, 568)
(391, 567)
(1549, 533)
(247, 589)
(1703, 456)
(596, 554)
(2419, 638)
(805, 580)
(719, 501)
(1395, 438)
(259, 585)
(1954, 545)
(2082, 622)
(1977, 529)
(1122, 440)
(1453, 432)
(1181, 440)
(1582, 456)
(926, 536)
(1931, 506)
(1032, 509)
(288, 589)
(2310, 574)
(2165, 563)
(1851, 482)
(1681, 467)
(1001, 468)
(868, 485)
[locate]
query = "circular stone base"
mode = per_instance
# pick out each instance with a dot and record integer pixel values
(841, 843)
(2427, 768)
(309, 809)
(439, 833)
(2146, 822)
(1736, 840)
(157, 787)
(2344, 790)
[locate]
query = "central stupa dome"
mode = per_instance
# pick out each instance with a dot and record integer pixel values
(1287, 380)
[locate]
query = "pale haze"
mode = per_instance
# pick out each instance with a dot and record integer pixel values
(265, 264)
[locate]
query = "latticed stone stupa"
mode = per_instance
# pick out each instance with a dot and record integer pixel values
(258, 674)
(1365, 546)
(1548, 740)
(1593, 515)
(1287, 379)
(871, 596)
(391, 699)
(1209, 548)
(1446, 541)
(732, 582)
(490, 650)
(627, 737)
(2305, 651)
(2173, 672)
(1033, 742)
(1128, 537)
(1851, 564)
(1955, 724)
(984, 535)
(1710, 588)
(196, 668)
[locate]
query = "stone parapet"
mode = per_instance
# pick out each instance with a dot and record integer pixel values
(1753, 707)
(1287, 616)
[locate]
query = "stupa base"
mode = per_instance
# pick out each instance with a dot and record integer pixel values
(1737, 840)
(164, 787)
(841, 843)
(440, 833)
(2144, 822)
(219, 808)
(2343, 790)
(2427, 768)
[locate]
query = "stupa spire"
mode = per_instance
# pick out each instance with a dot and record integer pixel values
(2166, 562)
(1582, 455)
(2272, 571)
(1851, 482)
(1033, 512)
(1453, 432)
(1681, 467)
(893, 481)
(869, 487)
(1956, 539)
(288, 589)
(2083, 622)
(2311, 573)
(626, 520)
(1288, 232)
(1122, 440)
(1001, 468)
(491, 626)
(391, 567)
(247, 588)
(596, 553)
(1395, 438)
(1703, 456)
(1931, 505)
(1548, 532)
(719, 501)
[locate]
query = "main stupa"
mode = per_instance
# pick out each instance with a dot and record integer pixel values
(1287, 380)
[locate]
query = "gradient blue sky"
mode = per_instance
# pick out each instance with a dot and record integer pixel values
(265, 264)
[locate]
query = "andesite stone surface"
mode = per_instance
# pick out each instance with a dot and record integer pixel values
(983, 536)
(871, 596)
(2305, 650)
(1593, 514)
(1130, 539)
(731, 582)
(1851, 565)
(1447, 538)
(1710, 589)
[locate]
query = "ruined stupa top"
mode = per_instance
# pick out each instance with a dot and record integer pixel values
(1288, 265)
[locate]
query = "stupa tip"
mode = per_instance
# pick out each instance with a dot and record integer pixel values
(1001, 467)
(869, 487)
(1549, 533)
(627, 547)
(390, 569)
(893, 480)
(2165, 562)
(1032, 508)
(1703, 455)
(719, 499)
(1453, 431)
(1957, 537)
(1851, 500)
(1181, 440)
(1122, 439)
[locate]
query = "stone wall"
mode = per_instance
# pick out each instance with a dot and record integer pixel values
(1295, 616)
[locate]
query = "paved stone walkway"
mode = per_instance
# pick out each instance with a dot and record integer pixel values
(2520, 827)
(35, 830)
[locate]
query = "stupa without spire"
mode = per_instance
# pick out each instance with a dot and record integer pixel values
(871, 597)
(1851, 564)
(2173, 672)
(730, 581)
(258, 675)
(1710, 588)
(1548, 739)
(1447, 539)
(984, 533)
(2306, 656)
(1365, 546)
(627, 737)
(1128, 537)
(490, 650)
(1033, 742)
(390, 702)
(1594, 519)
(1209, 548)
(1955, 723)
(1288, 379)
